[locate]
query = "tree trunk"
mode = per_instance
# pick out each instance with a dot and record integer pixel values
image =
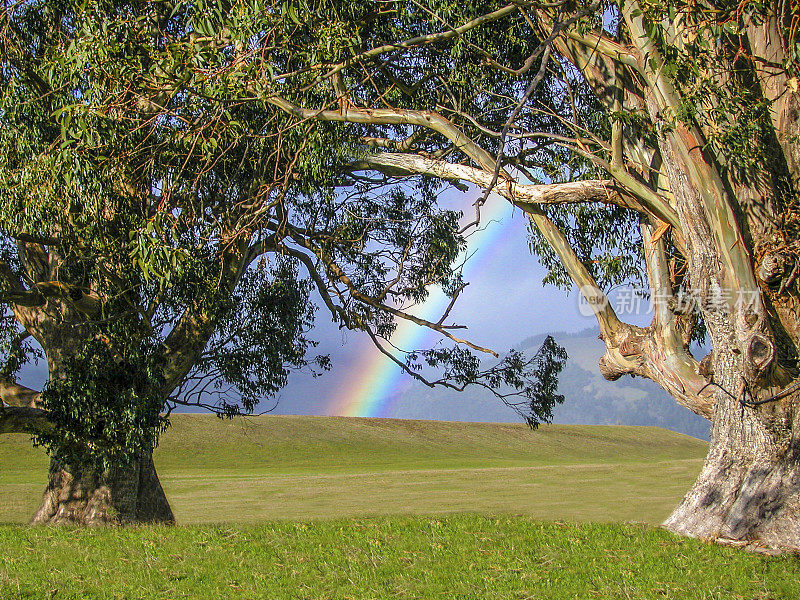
(755, 500)
(749, 487)
(130, 494)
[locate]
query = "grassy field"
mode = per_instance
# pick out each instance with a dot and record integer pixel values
(333, 508)
(275, 467)
(454, 557)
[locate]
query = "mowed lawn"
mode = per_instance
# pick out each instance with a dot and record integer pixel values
(298, 468)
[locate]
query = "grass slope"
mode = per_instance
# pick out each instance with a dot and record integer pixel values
(276, 467)
(456, 557)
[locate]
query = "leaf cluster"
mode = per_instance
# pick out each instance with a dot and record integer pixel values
(529, 385)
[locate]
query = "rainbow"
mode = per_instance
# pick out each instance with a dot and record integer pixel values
(378, 379)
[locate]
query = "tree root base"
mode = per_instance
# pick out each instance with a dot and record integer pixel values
(126, 496)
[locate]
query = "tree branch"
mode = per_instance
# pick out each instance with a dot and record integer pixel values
(337, 313)
(610, 325)
(391, 116)
(605, 46)
(706, 190)
(191, 333)
(421, 40)
(14, 394)
(84, 301)
(606, 192)
(336, 272)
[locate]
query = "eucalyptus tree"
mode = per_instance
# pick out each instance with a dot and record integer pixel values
(164, 222)
(649, 143)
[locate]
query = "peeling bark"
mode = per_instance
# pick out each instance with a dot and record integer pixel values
(646, 355)
(749, 487)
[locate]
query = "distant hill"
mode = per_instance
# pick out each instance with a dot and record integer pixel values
(590, 399)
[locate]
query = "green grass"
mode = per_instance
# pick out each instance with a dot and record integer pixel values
(274, 467)
(296, 507)
(455, 557)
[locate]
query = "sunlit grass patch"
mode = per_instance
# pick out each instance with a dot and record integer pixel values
(460, 556)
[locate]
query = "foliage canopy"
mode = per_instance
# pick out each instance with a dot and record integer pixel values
(165, 221)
